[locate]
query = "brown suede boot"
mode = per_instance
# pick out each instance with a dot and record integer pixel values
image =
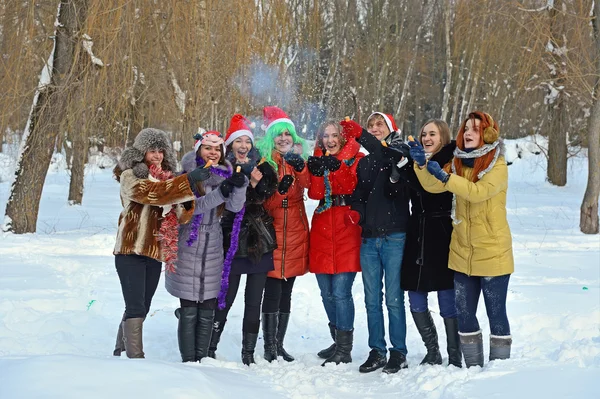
(120, 345)
(132, 333)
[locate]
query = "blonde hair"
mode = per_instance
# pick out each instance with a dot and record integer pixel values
(321, 132)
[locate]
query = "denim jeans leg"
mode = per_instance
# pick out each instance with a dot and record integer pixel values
(495, 290)
(447, 303)
(467, 289)
(392, 251)
(342, 297)
(325, 283)
(418, 301)
(372, 275)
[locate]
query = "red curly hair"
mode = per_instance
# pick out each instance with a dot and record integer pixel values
(483, 161)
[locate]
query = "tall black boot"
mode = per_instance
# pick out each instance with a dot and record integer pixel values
(343, 348)
(426, 328)
(453, 342)
(248, 345)
(269, 326)
(284, 319)
(186, 333)
(500, 347)
(472, 348)
(328, 352)
(203, 332)
(217, 330)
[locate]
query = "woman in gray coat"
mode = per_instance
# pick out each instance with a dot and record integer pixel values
(198, 276)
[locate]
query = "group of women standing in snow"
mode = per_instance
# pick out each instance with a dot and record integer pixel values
(238, 208)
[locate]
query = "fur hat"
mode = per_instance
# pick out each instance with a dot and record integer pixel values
(148, 139)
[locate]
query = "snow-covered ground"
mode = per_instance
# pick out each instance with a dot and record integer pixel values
(60, 303)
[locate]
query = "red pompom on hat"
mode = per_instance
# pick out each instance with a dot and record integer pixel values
(211, 137)
(273, 115)
(238, 127)
(389, 121)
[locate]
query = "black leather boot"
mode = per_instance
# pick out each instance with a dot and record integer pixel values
(203, 332)
(426, 328)
(343, 348)
(284, 319)
(375, 361)
(396, 363)
(269, 326)
(472, 348)
(217, 330)
(248, 345)
(453, 342)
(328, 352)
(186, 333)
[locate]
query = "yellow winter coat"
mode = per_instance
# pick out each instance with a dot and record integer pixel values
(481, 243)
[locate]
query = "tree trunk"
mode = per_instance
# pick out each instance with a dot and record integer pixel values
(588, 219)
(448, 84)
(44, 123)
(557, 112)
(80, 148)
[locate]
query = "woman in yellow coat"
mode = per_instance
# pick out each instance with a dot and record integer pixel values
(481, 245)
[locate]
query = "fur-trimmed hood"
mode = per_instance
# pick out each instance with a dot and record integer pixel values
(146, 140)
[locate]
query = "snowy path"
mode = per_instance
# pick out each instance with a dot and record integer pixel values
(60, 303)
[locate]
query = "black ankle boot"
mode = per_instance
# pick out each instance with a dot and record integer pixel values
(284, 319)
(375, 361)
(453, 342)
(203, 332)
(396, 363)
(343, 348)
(269, 326)
(248, 345)
(328, 352)
(186, 333)
(217, 330)
(426, 328)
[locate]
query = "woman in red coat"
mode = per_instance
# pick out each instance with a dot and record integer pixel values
(283, 149)
(334, 246)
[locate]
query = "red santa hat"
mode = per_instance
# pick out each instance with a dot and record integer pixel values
(389, 121)
(273, 115)
(211, 137)
(238, 127)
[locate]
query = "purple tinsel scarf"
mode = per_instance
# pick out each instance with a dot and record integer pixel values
(235, 235)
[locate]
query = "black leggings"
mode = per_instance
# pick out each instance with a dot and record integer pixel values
(278, 295)
(139, 276)
(206, 305)
(255, 285)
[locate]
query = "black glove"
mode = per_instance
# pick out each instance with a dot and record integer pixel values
(391, 154)
(197, 175)
(237, 179)
(315, 166)
(332, 163)
(295, 161)
(394, 174)
(247, 168)
(285, 184)
(226, 188)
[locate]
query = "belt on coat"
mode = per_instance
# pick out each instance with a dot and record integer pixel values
(336, 200)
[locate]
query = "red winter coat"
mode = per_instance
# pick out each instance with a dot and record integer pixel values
(291, 223)
(335, 247)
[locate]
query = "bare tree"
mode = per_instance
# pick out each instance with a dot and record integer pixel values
(588, 220)
(45, 120)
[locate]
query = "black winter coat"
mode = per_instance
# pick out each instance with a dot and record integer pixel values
(425, 261)
(382, 211)
(257, 235)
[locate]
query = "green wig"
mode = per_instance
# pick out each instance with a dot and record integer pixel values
(266, 145)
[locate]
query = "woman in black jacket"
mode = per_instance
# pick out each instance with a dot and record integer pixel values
(256, 243)
(425, 262)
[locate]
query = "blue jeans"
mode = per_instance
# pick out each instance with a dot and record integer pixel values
(336, 292)
(468, 289)
(446, 301)
(381, 258)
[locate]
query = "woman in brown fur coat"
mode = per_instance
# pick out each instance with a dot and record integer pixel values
(154, 203)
